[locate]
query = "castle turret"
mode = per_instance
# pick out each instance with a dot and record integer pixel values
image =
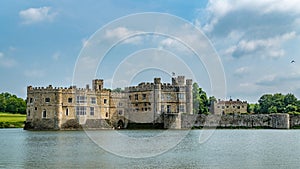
(189, 96)
(157, 96)
(97, 84)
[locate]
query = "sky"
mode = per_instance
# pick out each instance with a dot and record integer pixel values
(41, 42)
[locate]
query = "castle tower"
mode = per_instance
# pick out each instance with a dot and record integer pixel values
(189, 96)
(97, 84)
(157, 96)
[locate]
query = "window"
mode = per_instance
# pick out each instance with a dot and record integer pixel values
(92, 110)
(106, 114)
(105, 101)
(168, 97)
(47, 100)
(28, 113)
(181, 108)
(168, 108)
(35, 108)
(144, 96)
(238, 107)
(93, 100)
(180, 96)
(30, 100)
(136, 96)
(80, 110)
(223, 107)
(67, 111)
(70, 100)
(145, 104)
(162, 108)
(44, 114)
(129, 97)
(80, 99)
(120, 104)
(120, 112)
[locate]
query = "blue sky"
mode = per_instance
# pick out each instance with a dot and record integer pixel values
(255, 40)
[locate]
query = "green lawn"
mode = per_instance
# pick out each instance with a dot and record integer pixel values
(8, 120)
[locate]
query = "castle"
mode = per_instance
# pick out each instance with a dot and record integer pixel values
(71, 108)
(230, 106)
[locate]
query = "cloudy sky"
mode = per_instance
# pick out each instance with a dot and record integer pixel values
(40, 41)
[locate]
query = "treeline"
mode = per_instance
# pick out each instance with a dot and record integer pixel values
(276, 103)
(267, 103)
(12, 104)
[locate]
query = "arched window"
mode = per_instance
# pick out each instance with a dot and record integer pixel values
(106, 114)
(44, 114)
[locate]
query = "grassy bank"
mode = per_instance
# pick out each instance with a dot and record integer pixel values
(8, 120)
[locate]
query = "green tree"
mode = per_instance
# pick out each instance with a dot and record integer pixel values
(290, 108)
(265, 102)
(290, 99)
(2, 103)
(256, 108)
(200, 101)
(272, 109)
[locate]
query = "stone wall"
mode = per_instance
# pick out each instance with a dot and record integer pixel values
(276, 121)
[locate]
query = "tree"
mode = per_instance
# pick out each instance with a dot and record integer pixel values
(2, 103)
(265, 102)
(290, 108)
(12, 104)
(200, 101)
(256, 109)
(272, 109)
(290, 99)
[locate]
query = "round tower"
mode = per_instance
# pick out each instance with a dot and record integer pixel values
(189, 96)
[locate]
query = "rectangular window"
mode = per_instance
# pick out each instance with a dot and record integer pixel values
(30, 100)
(47, 100)
(67, 111)
(180, 96)
(35, 108)
(181, 108)
(28, 114)
(120, 112)
(70, 100)
(168, 108)
(162, 108)
(80, 99)
(105, 101)
(144, 96)
(44, 114)
(136, 96)
(92, 111)
(168, 97)
(162, 97)
(80, 110)
(93, 100)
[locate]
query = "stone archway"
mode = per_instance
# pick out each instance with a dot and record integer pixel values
(120, 124)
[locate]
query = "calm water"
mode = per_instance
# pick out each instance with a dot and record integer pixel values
(224, 149)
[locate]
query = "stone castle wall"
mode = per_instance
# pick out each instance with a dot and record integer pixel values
(276, 121)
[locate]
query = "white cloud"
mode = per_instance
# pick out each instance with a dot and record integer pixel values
(34, 73)
(35, 15)
(6, 62)
(242, 71)
(270, 47)
(56, 56)
(121, 33)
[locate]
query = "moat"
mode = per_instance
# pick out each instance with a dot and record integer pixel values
(223, 149)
